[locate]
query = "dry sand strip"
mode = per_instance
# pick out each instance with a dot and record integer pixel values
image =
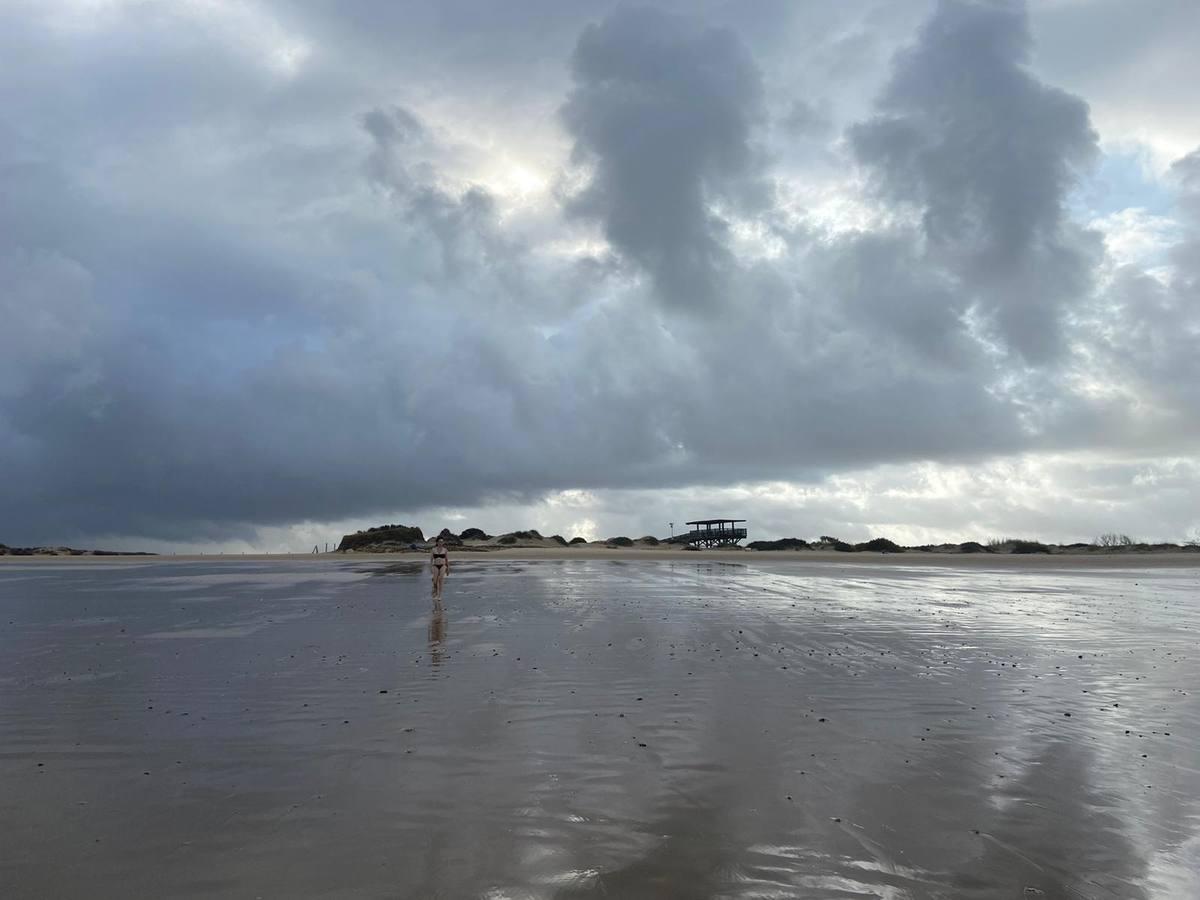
(1020, 561)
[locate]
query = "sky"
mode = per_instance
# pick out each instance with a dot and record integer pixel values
(274, 271)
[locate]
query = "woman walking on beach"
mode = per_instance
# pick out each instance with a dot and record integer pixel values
(439, 561)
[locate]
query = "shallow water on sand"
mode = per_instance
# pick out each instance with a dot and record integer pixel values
(576, 729)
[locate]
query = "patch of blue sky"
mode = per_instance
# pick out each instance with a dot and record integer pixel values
(1124, 179)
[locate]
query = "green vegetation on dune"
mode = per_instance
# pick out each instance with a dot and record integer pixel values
(781, 544)
(387, 538)
(879, 545)
(397, 535)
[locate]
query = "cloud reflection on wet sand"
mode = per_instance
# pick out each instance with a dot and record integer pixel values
(577, 728)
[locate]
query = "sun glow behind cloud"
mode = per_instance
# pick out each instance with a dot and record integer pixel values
(1134, 236)
(1052, 498)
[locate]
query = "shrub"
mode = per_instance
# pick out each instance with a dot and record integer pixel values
(781, 544)
(513, 536)
(450, 537)
(474, 534)
(1112, 539)
(621, 541)
(1029, 547)
(398, 534)
(972, 547)
(828, 540)
(649, 539)
(577, 540)
(880, 545)
(559, 539)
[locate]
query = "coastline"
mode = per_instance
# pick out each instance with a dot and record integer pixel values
(1091, 560)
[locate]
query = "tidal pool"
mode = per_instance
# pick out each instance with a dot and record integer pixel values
(575, 729)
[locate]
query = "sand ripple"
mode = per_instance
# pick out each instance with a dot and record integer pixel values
(579, 729)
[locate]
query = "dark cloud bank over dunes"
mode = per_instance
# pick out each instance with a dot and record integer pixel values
(289, 307)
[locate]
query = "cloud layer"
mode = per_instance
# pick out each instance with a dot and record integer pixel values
(257, 270)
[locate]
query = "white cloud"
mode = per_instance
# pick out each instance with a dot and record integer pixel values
(1134, 237)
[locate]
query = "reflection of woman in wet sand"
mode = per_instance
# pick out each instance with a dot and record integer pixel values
(437, 633)
(437, 625)
(440, 563)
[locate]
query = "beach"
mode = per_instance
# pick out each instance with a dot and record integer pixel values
(586, 722)
(1111, 559)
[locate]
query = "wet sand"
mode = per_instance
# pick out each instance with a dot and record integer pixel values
(569, 728)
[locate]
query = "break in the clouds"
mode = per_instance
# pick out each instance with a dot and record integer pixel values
(271, 270)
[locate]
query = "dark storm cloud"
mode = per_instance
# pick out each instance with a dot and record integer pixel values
(887, 290)
(664, 111)
(987, 154)
(791, 379)
(804, 119)
(272, 296)
(1144, 328)
(1137, 59)
(393, 126)
(194, 387)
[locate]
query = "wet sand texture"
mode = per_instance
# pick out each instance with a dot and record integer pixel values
(571, 729)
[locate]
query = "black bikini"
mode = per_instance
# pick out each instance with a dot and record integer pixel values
(439, 559)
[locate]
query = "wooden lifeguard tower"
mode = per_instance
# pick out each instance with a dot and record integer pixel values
(715, 533)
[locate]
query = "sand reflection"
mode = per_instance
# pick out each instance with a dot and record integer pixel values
(633, 730)
(437, 633)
